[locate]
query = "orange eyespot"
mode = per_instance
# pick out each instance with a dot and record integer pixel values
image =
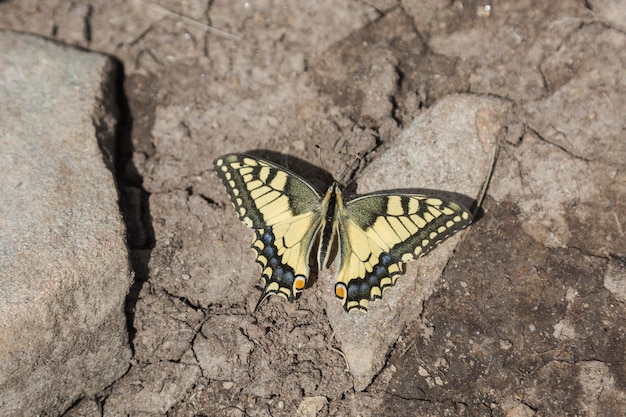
(340, 291)
(299, 283)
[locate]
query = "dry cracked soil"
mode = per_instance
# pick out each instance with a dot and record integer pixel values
(526, 316)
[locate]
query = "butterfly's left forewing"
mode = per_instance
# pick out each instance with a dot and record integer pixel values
(284, 211)
(379, 233)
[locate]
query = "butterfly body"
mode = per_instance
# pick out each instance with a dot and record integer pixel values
(376, 234)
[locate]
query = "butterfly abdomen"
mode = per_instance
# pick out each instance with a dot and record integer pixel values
(332, 203)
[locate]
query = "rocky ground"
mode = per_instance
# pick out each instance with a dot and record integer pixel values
(520, 315)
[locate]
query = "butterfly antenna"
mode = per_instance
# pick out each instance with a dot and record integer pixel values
(319, 156)
(349, 170)
(329, 177)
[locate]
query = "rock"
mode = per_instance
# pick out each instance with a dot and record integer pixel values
(64, 269)
(310, 406)
(521, 410)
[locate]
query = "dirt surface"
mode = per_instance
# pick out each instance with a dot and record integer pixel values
(528, 316)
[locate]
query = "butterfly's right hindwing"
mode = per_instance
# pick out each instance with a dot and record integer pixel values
(283, 209)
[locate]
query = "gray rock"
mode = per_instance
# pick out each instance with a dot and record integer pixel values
(64, 269)
(310, 406)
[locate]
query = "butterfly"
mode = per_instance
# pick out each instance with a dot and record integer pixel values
(376, 233)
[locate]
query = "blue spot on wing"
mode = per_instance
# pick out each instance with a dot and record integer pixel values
(267, 236)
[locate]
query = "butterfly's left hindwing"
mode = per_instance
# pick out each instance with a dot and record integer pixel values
(283, 209)
(379, 233)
